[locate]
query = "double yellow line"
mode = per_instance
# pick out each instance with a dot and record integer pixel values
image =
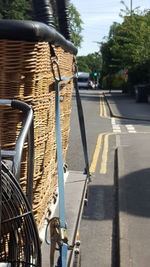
(103, 111)
(102, 141)
(96, 152)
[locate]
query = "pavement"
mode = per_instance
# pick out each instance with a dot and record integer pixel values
(132, 183)
(122, 105)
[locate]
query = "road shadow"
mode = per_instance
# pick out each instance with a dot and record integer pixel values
(135, 193)
(134, 197)
(89, 96)
(100, 203)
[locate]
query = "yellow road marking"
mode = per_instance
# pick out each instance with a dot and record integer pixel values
(101, 107)
(103, 168)
(96, 153)
(103, 111)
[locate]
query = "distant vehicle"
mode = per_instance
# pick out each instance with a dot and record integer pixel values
(84, 80)
(91, 84)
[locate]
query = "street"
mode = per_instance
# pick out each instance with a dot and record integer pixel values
(115, 227)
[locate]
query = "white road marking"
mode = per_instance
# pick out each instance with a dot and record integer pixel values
(115, 127)
(132, 131)
(113, 121)
(130, 128)
(116, 131)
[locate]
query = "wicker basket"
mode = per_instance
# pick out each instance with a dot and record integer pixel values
(26, 75)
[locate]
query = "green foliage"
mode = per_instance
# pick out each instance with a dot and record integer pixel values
(15, 9)
(114, 81)
(82, 64)
(90, 63)
(118, 81)
(76, 25)
(128, 44)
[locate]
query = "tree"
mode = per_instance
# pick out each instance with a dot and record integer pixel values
(15, 9)
(128, 45)
(75, 25)
(90, 63)
(82, 64)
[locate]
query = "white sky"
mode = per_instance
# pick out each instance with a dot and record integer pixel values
(98, 16)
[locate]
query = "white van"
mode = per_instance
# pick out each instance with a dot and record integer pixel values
(84, 80)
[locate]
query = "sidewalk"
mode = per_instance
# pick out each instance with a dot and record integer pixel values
(133, 183)
(122, 105)
(134, 202)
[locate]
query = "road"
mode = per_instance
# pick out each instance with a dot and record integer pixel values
(118, 134)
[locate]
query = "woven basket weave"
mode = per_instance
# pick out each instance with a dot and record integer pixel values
(26, 75)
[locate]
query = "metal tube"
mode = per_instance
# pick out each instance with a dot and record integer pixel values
(5, 102)
(19, 145)
(29, 189)
(26, 131)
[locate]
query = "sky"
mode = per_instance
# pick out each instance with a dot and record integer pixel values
(98, 16)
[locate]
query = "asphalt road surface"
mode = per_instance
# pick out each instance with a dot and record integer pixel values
(118, 134)
(97, 222)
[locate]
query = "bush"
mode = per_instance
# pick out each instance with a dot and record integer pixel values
(114, 81)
